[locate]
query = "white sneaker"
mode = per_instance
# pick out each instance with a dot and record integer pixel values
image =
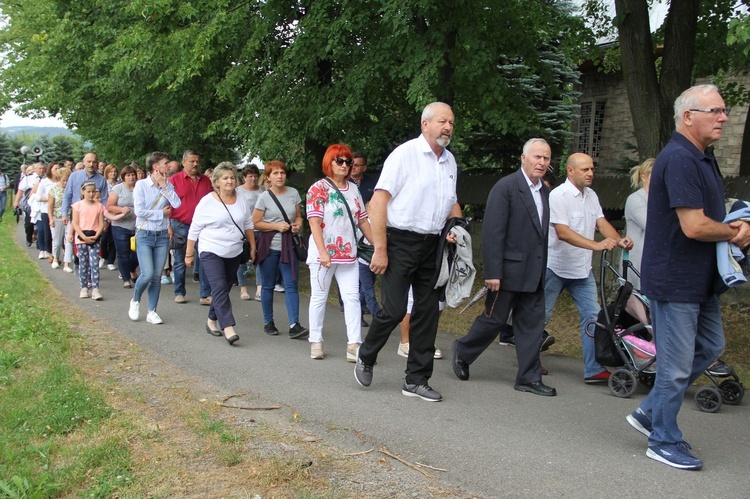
(111, 267)
(96, 295)
(403, 349)
(279, 288)
(42, 255)
(68, 270)
(84, 293)
(438, 353)
(316, 350)
(134, 311)
(55, 265)
(101, 263)
(153, 318)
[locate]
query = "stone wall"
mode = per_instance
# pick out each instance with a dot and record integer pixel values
(618, 125)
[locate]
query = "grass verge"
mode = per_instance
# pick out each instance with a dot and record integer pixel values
(86, 413)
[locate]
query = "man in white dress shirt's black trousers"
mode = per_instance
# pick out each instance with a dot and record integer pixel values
(415, 195)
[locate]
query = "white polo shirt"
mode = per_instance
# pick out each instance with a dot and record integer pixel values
(422, 187)
(579, 211)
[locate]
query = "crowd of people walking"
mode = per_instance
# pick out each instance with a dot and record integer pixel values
(537, 243)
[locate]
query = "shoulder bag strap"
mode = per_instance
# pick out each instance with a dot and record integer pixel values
(230, 216)
(152, 207)
(346, 205)
(281, 208)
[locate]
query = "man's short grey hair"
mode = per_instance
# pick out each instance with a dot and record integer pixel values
(221, 169)
(531, 142)
(431, 108)
(691, 98)
(189, 152)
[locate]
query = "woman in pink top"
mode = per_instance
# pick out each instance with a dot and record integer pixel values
(88, 224)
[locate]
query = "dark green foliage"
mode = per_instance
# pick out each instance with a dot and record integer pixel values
(285, 80)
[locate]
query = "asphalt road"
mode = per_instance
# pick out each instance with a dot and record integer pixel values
(494, 441)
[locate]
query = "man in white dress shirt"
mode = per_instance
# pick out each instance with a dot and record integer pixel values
(575, 216)
(415, 195)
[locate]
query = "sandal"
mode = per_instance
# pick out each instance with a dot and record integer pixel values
(244, 295)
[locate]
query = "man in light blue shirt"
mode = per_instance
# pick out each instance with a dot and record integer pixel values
(76, 180)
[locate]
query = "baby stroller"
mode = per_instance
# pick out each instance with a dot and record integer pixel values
(623, 339)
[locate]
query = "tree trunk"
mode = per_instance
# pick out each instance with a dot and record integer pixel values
(652, 100)
(745, 151)
(678, 59)
(639, 73)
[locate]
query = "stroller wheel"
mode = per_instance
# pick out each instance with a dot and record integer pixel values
(732, 391)
(708, 399)
(622, 383)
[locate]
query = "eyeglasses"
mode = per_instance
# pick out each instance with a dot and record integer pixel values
(341, 161)
(713, 110)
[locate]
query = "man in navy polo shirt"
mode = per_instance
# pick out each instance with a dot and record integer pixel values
(680, 277)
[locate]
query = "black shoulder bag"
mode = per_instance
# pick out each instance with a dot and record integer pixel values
(299, 245)
(245, 255)
(364, 251)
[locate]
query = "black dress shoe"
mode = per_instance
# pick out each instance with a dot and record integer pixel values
(231, 339)
(212, 332)
(460, 367)
(537, 388)
(547, 341)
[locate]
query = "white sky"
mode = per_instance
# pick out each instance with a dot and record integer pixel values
(11, 119)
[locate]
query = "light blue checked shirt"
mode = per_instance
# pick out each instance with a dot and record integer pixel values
(145, 194)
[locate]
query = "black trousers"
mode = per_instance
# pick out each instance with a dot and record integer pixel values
(109, 249)
(221, 274)
(528, 325)
(29, 227)
(411, 262)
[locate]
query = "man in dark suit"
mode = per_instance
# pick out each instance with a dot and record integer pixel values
(514, 249)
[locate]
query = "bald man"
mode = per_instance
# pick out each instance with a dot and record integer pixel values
(575, 216)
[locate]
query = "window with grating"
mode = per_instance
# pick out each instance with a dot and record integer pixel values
(590, 128)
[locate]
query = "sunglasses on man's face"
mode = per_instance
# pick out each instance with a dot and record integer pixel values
(341, 161)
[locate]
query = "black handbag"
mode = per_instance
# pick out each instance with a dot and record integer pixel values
(245, 255)
(300, 249)
(364, 250)
(177, 242)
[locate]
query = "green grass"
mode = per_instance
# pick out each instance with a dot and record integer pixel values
(56, 437)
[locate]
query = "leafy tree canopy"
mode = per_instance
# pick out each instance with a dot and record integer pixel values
(283, 79)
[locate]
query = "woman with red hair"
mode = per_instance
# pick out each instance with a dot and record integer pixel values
(336, 213)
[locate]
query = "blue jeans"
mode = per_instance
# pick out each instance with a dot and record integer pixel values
(127, 261)
(242, 271)
(3, 202)
(179, 264)
(689, 337)
(152, 248)
(242, 275)
(268, 269)
(367, 288)
(583, 293)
